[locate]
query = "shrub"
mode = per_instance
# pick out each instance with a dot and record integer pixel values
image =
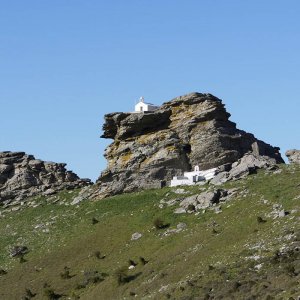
(159, 224)
(191, 207)
(74, 296)
(66, 273)
(29, 294)
(143, 260)
(98, 255)
(291, 270)
(260, 220)
(22, 259)
(80, 286)
(92, 277)
(94, 221)
(132, 263)
(121, 275)
(46, 285)
(3, 272)
(214, 231)
(51, 295)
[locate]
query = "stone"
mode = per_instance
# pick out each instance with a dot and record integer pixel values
(22, 176)
(180, 210)
(220, 178)
(278, 211)
(49, 192)
(293, 156)
(243, 167)
(248, 165)
(135, 236)
(172, 202)
(281, 213)
(149, 149)
(217, 210)
(191, 200)
(18, 250)
(200, 201)
(84, 194)
(181, 226)
(131, 267)
(179, 191)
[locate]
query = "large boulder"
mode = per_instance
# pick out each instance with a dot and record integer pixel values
(201, 201)
(243, 167)
(293, 156)
(22, 176)
(150, 148)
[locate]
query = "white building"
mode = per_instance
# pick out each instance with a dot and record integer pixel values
(191, 178)
(142, 106)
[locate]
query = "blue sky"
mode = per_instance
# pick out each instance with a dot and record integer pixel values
(64, 64)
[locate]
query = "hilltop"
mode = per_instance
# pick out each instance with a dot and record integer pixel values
(148, 149)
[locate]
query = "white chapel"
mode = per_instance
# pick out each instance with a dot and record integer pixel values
(143, 106)
(194, 177)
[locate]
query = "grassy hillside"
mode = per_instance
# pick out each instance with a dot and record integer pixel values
(245, 251)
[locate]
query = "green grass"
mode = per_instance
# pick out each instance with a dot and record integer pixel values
(185, 265)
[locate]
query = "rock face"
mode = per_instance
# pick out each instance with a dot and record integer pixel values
(22, 175)
(293, 156)
(150, 148)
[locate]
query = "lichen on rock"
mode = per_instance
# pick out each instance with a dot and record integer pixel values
(293, 156)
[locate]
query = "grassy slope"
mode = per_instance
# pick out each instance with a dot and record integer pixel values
(209, 258)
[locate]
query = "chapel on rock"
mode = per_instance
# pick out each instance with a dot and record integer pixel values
(143, 106)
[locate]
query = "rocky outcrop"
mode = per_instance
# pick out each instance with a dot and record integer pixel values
(150, 148)
(293, 156)
(22, 175)
(243, 167)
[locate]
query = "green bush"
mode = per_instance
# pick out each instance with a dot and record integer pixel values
(66, 273)
(121, 275)
(159, 224)
(51, 295)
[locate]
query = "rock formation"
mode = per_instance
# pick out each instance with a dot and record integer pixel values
(293, 156)
(243, 167)
(149, 148)
(22, 175)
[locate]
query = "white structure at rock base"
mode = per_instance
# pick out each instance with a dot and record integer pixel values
(191, 178)
(143, 106)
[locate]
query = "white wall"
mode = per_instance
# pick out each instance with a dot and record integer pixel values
(143, 105)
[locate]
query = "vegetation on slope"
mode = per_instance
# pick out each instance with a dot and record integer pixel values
(85, 252)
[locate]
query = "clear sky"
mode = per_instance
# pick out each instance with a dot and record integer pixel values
(65, 63)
